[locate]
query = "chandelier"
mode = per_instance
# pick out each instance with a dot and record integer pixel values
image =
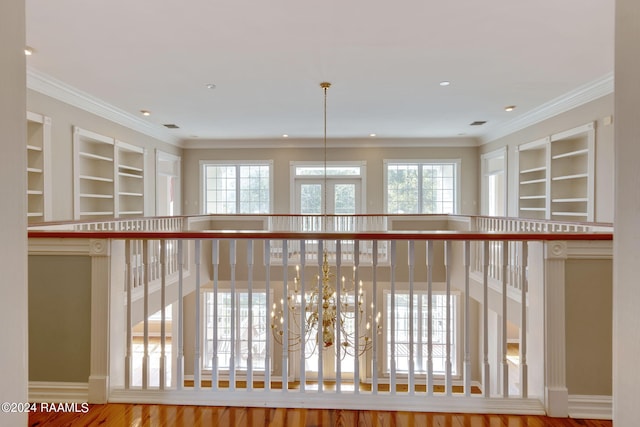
(322, 316)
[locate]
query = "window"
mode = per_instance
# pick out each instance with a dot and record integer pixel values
(237, 188)
(420, 313)
(424, 187)
(239, 340)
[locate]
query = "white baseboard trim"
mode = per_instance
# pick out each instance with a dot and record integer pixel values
(55, 392)
(591, 407)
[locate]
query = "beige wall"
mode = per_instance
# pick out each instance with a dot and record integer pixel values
(13, 186)
(588, 293)
(59, 318)
(64, 117)
(374, 162)
(593, 111)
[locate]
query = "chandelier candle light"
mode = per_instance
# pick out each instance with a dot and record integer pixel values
(327, 313)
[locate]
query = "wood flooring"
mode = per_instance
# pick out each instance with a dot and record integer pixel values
(133, 415)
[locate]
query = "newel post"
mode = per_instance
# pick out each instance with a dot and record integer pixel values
(105, 276)
(556, 393)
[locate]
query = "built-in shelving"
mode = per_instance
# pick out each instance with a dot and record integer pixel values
(556, 176)
(533, 179)
(38, 167)
(572, 174)
(109, 176)
(130, 185)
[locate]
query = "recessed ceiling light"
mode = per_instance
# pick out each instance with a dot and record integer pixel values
(210, 86)
(445, 83)
(285, 136)
(478, 123)
(372, 134)
(145, 112)
(510, 108)
(28, 51)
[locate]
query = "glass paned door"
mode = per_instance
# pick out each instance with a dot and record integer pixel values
(343, 196)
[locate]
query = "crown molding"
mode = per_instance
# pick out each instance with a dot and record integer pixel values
(575, 98)
(47, 85)
(301, 143)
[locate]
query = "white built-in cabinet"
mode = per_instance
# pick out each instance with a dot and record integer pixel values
(556, 176)
(130, 180)
(108, 176)
(38, 167)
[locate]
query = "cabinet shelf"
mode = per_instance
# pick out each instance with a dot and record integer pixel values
(95, 213)
(130, 168)
(131, 213)
(96, 178)
(581, 152)
(577, 214)
(35, 214)
(96, 196)
(571, 200)
(542, 196)
(574, 176)
(95, 156)
(34, 148)
(34, 170)
(125, 193)
(35, 192)
(537, 169)
(129, 175)
(533, 209)
(533, 181)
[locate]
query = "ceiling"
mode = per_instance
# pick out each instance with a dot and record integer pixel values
(385, 61)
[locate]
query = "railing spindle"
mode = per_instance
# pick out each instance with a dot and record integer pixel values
(285, 326)
(197, 366)
(338, 328)
(393, 320)
(145, 356)
(128, 326)
(448, 267)
(180, 328)
(235, 335)
(267, 320)
(374, 317)
(467, 320)
(524, 380)
(486, 374)
(303, 316)
(250, 315)
(505, 364)
(215, 261)
(411, 261)
(163, 304)
(430, 318)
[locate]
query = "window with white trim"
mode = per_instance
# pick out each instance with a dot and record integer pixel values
(420, 313)
(422, 187)
(237, 187)
(236, 337)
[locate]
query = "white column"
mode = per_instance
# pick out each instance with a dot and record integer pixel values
(556, 393)
(13, 252)
(101, 273)
(626, 292)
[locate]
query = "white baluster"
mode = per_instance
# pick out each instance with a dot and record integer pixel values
(505, 364)
(198, 318)
(145, 357)
(320, 346)
(267, 287)
(235, 334)
(392, 338)
(180, 320)
(448, 269)
(411, 261)
(357, 315)
(285, 326)
(524, 380)
(374, 318)
(339, 325)
(303, 316)
(163, 303)
(250, 315)
(215, 261)
(128, 286)
(467, 318)
(486, 376)
(430, 317)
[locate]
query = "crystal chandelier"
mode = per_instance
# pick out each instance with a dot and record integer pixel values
(322, 315)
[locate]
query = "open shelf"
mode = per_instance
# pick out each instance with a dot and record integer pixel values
(38, 167)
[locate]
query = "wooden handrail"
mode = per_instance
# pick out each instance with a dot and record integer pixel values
(314, 235)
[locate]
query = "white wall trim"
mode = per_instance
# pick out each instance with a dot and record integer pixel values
(575, 98)
(591, 407)
(61, 91)
(296, 399)
(55, 392)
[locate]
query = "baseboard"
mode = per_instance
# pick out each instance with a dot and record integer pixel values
(54, 392)
(591, 407)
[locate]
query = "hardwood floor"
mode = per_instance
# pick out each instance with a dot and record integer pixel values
(127, 415)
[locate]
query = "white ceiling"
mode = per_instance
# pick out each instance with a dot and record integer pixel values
(385, 60)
